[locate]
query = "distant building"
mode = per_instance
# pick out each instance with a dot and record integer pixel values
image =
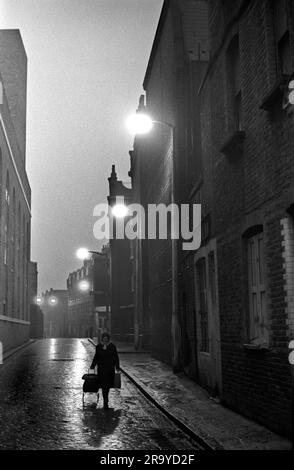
(101, 292)
(121, 288)
(55, 309)
(88, 297)
(80, 303)
(36, 315)
(15, 193)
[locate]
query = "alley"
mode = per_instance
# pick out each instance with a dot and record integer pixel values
(41, 405)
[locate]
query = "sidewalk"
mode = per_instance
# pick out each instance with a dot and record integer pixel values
(191, 405)
(10, 352)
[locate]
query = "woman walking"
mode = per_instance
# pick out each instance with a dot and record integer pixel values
(107, 360)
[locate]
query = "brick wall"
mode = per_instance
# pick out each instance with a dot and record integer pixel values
(160, 101)
(251, 186)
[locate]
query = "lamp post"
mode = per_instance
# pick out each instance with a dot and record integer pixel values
(140, 123)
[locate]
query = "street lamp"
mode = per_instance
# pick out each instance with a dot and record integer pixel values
(119, 210)
(52, 300)
(140, 123)
(84, 253)
(84, 285)
(38, 300)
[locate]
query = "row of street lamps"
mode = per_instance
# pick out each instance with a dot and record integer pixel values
(141, 123)
(51, 301)
(84, 285)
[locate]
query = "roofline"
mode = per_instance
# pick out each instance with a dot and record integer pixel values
(17, 31)
(164, 10)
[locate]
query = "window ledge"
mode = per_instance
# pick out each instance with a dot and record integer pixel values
(256, 347)
(276, 93)
(233, 144)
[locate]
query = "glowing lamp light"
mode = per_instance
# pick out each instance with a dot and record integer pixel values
(119, 210)
(139, 123)
(84, 285)
(83, 253)
(38, 300)
(53, 301)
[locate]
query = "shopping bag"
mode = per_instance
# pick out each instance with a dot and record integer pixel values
(117, 380)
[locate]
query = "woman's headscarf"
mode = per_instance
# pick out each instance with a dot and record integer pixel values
(105, 335)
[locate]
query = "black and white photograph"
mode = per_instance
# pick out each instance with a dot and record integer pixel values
(146, 230)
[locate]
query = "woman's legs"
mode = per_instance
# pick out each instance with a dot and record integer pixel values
(105, 392)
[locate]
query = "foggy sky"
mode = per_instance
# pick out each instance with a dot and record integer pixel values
(86, 64)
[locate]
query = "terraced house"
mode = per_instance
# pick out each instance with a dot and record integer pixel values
(248, 162)
(218, 82)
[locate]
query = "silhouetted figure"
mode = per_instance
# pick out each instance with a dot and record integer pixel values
(107, 360)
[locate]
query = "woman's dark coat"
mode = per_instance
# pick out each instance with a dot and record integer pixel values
(106, 360)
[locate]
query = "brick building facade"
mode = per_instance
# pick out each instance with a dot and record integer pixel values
(164, 169)
(80, 303)
(121, 259)
(89, 308)
(248, 162)
(218, 75)
(15, 193)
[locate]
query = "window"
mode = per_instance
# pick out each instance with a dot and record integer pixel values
(28, 242)
(5, 243)
(234, 82)
(7, 196)
(0, 182)
(258, 328)
(7, 223)
(281, 29)
(212, 276)
(13, 252)
(284, 56)
(24, 278)
(18, 263)
(6, 289)
(202, 303)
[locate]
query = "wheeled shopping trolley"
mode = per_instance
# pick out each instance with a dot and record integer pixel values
(90, 384)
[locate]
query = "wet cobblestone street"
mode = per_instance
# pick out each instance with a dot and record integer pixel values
(41, 405)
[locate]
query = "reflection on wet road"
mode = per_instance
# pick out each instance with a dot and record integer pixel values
(41, 405)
